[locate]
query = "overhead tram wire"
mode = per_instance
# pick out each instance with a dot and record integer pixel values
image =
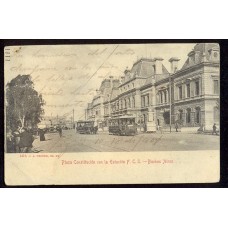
(95, 73)
(98, 68)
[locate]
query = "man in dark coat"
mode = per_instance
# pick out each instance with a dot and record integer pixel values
(26, 140)
(42, 137)
(16, 135)
(214, 129)
(176, 126)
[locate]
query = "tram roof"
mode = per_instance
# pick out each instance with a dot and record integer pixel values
(124, 117)
(85, 121)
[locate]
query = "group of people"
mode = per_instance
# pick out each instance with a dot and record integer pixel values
(20, 140)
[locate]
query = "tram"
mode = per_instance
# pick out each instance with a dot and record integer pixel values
(86, 127)
(123, 125)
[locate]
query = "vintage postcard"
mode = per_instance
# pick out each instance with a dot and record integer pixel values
(112, 114)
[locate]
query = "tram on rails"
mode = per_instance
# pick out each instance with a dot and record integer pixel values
(123, 125)
(86, 127)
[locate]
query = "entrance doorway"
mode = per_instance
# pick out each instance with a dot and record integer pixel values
(166, 117)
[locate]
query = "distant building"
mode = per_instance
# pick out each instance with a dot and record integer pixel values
(100, 108)
(144, 92)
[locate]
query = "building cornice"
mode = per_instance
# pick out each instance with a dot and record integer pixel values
(194, 67)
(146, 86)
(132, 79)
(125, 93)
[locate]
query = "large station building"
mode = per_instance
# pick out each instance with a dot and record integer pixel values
(154, 96)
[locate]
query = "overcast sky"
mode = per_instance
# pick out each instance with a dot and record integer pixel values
(68, 75)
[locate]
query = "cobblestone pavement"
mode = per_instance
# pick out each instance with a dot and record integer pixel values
(103, 142)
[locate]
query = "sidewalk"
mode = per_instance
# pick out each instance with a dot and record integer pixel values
(191, 130)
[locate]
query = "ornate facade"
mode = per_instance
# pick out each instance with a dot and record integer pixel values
(148, 92)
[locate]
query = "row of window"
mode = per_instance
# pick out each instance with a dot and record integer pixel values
(130, 103)
(163, 97)
(125, 103)
(127, 87)
(94, 112)
(145, 101)
(194, 89)
(188, 119)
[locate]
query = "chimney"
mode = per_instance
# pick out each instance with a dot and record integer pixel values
(191, 56)
(158, 65)
(174, 64)
(214, 54)
(197, 57)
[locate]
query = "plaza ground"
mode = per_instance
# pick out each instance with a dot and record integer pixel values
(103, 142)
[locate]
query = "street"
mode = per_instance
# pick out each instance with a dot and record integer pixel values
(103, 142)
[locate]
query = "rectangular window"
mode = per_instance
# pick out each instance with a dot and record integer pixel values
(161, 97)
(197, 88)
(129, 102)
(180, 92)
(165, 96)
(188, 90)
(216, 87)
(133, 102)
(188, 116)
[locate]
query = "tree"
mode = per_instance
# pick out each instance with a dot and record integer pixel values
(23, 103)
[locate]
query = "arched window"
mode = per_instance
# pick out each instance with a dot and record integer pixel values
(161, 96)
(188, 115)
(197, 115)
(165, 96)
(117, 105)
(181, 115)
(129, 102)
(157, 95)
(147, 100)
(133, 102)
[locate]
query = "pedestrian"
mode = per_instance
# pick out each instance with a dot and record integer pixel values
(214, 129)
(176, 126)
(26, 140)
(42, 137)
(10, 141)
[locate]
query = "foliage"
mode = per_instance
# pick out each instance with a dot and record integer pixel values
(23, 103)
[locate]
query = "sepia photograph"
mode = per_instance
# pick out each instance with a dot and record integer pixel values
(154, 103)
